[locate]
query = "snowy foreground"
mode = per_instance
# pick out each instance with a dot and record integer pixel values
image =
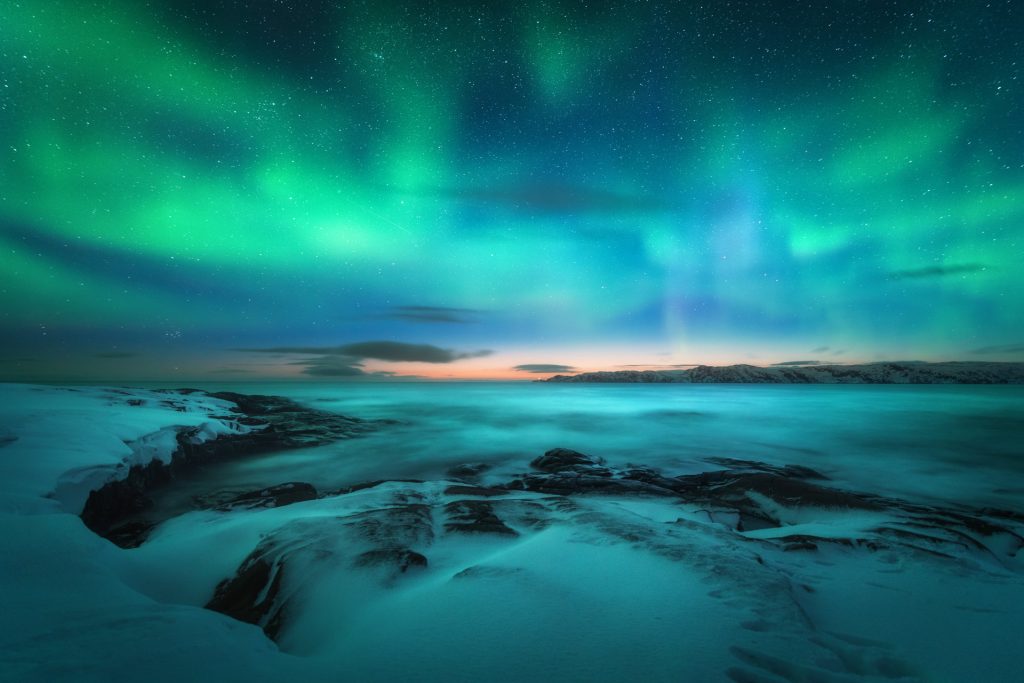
(571, 570)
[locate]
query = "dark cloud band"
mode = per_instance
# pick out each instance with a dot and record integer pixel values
(937, 271)
(434, 314)
(543, 368)
(381, 350)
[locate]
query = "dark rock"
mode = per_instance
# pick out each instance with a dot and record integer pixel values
(469, 470)
(795, 542)
(563, 460)
(118, 500)
(656, 483)
(737, 496)
(458, 490)
(363, 485)
(486, 572)
(733, 488)
(399, 558)
(274, 575)
(252, 595)
(274, 496)
(1003, 514)
(400, 526)
(750, 521)
(279, 424)
(390, 539)
(569, 472)
(794, 471)
(567, 483)
(475, 517)
(131, 534)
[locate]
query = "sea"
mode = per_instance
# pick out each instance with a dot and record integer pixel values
(924, 584)
(927, 443)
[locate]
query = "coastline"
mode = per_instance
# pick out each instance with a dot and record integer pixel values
(303, 579)
(953, 372)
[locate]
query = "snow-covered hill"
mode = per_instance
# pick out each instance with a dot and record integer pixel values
(869, 373)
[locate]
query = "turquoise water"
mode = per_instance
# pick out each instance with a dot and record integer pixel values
(616, 588)
(959, 443)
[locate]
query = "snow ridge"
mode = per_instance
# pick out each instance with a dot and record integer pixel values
(871, 373)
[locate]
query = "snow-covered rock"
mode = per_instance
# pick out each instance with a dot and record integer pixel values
(73, 607)
(64, 442)
(868, 373)
(575, 570)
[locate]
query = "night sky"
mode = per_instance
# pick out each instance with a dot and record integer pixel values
(242, 190)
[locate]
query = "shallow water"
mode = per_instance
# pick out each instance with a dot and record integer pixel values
(614, 588)
(953, 443)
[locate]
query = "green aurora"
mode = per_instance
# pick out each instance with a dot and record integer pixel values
(549, 182)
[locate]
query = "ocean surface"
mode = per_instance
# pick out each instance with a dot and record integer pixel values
(926, 443)
(781, 580)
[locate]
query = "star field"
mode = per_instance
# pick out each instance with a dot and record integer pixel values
(535, 184)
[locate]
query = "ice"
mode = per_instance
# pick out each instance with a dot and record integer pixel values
(66, 612)
(482, 609)
(592, 588)
(67, 616)
(64, 442)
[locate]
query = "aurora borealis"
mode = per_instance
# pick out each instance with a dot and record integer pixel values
(375, 189)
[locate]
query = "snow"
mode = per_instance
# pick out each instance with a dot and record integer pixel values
(608, 589)
(519, 604)
(73, 618)
(616, 590)
(64, 442)
(67, 611)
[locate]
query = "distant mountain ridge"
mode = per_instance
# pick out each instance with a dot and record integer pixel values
(867, 373)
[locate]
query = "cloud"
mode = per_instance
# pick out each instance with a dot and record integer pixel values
(556, 198)
(544, 368)
(309, 350)
(937, 271)
(433, 314)
(798, 362)
(328, 371)
(820, 349)
(116, 354)
(342, 366)
(1002, 348)
(229, 371)
(381, 350)
(331, 366)
(398, 351)
(883, 361)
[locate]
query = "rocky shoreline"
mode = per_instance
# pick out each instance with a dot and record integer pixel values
(736, 499)
(270, 423)
(782, 560)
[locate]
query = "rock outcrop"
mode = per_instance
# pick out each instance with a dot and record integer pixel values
(274, 423)
(271, 581)
(740, 504)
